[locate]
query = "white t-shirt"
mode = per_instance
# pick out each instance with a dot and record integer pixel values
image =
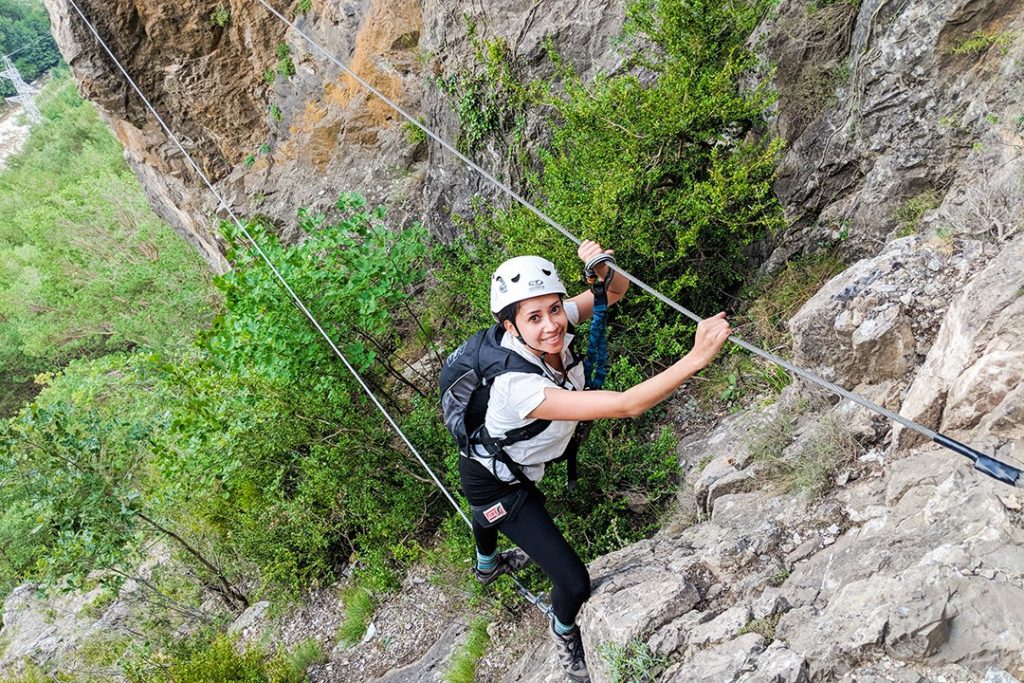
(514, 395)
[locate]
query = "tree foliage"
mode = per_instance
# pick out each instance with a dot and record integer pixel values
(85, 266)
(353, 274)
(252, 454)
(25, 30)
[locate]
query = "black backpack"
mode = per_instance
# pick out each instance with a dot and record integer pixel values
(466, 379)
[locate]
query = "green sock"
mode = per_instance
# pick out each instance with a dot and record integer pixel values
(561, 629)
(486, 563)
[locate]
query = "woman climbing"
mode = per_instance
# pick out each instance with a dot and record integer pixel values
(534, 404)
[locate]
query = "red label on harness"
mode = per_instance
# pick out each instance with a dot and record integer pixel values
(494, 512)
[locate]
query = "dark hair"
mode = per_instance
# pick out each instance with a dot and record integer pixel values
(508, 313)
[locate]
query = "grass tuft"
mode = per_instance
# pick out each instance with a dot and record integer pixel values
(909, 215)
(220, 16)
(359, 606)
(763, 627)
(784, 294)
(980, 41)
(633, 662)
(465, 660)
(812, 469)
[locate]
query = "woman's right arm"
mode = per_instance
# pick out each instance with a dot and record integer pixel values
(561, 404)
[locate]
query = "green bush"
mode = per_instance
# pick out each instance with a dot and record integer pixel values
(205, 659)
(414, 134)
(285, 65)
(489, 98)
(356, 274)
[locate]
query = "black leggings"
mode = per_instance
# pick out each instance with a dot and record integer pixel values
(535, 532)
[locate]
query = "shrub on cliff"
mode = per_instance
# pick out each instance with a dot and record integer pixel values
(665, 162)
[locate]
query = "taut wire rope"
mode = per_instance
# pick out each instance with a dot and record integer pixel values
(526, 593)
(26, 46)
(983, 463)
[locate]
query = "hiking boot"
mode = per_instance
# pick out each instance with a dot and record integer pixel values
(570, 653)
(508, 561)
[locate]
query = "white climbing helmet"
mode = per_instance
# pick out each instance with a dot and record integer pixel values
(521, 278)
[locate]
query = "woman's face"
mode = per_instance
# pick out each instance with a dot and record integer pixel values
(542, 323)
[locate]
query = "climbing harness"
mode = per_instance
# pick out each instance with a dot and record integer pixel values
(985, 464)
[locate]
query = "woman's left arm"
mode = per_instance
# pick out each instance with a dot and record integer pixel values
(585, 300)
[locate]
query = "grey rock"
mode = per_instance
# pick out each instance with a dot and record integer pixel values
(723, 627)
(999, 676)
(777, 664)
(722, 663)
(856, 331)
(973, 376)
(768, 604)
(251, 618)
(673, 637)
(430, 667)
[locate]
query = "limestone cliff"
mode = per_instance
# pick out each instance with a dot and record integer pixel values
(274, 143)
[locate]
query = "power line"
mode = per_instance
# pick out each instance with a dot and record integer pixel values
(531, 597)
(27, 45)
(983, 463)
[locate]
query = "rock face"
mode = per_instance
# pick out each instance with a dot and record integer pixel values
(892, 109)
(973, 377)
(916, 566)
(270, 144)
(877, 320)
(274, 144)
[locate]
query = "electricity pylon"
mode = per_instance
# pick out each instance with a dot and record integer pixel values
(24, 95)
